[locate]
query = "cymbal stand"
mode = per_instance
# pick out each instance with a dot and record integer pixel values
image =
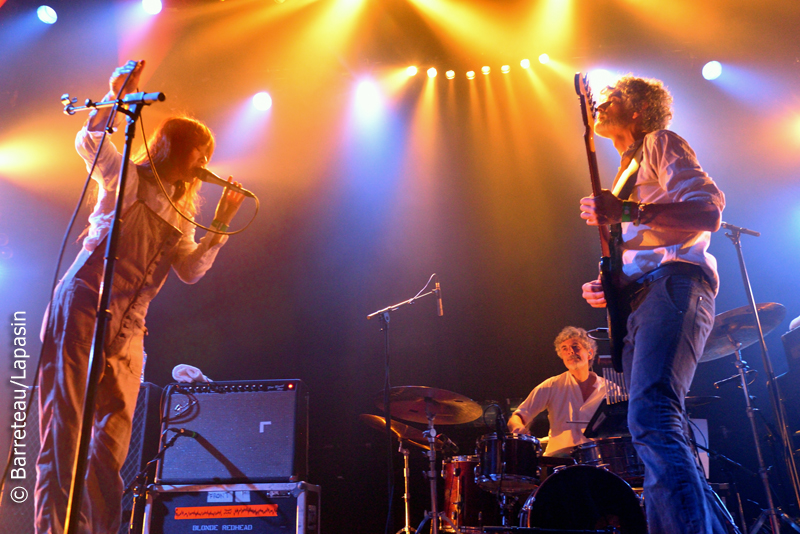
(742, 368)
(407, 529)
(734, 233)
(434, 516)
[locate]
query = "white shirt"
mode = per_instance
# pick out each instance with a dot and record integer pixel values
(566, 410)
(669, 172)
(192, 259)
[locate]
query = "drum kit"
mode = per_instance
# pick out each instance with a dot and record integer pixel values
(511, 467)
(595, 486)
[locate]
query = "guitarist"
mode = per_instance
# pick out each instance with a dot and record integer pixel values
(667, 285)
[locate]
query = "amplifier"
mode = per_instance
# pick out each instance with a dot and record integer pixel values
(254, 508)
(234, 432)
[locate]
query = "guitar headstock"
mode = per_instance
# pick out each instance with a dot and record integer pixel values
(588, 105)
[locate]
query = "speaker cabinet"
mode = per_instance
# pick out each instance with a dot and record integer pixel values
(143, 446)
(17, 518)
(234, 432)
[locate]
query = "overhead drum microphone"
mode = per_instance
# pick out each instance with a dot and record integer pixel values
(438, 291)
(204, 175)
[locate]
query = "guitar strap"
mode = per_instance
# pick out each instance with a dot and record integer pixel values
(628, 170)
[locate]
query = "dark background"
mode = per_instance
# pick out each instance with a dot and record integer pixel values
(362, 199)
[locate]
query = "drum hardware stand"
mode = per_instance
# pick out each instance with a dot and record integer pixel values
(434, 516)
(407, 529)
(383, 316)
(714, 455)
(734, 233)
(502, 498)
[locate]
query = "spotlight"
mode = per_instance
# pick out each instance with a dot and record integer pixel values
(470, 74)
(431, 72)
(152, 7)
(600, 78)
(486, 70)
(544, 59)
(505, 69)
(262, 101)
(47, 14)
(712, 70)
(411, 71)
(450, 74)
(525, 63)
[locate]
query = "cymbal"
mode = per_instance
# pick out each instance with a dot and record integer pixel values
(414, 403)
(401, 431)
(695, 401)
(736, 329)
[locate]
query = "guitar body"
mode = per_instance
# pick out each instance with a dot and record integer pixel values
(610, 238)
(615, 312)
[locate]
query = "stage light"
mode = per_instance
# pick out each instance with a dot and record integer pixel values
(486, 70)
(152, 7)
(470, 74)
(544, 59)
(600, 78)
(411, 71)
(525, 63)
(450, 74)
(262, 101)
(368, 100)
(431, 72)
(712, 70)
(47, 14)
(505, 69)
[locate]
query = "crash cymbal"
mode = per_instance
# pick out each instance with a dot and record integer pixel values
(401, 431)
(414, 403)
(736, 329)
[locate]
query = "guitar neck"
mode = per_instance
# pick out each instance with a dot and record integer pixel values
(587, 110)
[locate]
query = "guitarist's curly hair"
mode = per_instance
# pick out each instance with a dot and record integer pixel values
(648, 96)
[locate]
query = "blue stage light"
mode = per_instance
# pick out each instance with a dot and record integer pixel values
(712, 70)
(47, 14)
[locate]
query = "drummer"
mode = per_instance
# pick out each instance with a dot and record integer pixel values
(571, 398)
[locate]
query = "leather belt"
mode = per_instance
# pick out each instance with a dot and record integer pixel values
(681, 268)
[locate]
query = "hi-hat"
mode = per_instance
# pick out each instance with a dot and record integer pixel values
(695, 401)
(416, 403)
(736, 329)
(402, 432)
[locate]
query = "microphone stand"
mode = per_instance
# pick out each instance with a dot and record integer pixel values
(384, 318)
(135, 103)
(733, 233)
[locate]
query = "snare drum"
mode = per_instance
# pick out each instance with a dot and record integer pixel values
(510, 465)
(615, 454)
(461, 493)
(583, 497)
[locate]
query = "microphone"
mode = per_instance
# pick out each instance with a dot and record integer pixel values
(718, 383)
(204, 175)
(500, 425)
(143, 98)
(438, 292)
(739, 229)
(447, 444)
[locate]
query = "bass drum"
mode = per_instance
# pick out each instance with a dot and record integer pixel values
(582, 497)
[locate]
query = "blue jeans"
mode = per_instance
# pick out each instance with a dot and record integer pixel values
(668, 325)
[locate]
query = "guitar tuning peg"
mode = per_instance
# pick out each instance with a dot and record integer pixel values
(66, 100)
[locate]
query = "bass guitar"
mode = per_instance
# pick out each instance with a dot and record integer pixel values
(610, 236)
